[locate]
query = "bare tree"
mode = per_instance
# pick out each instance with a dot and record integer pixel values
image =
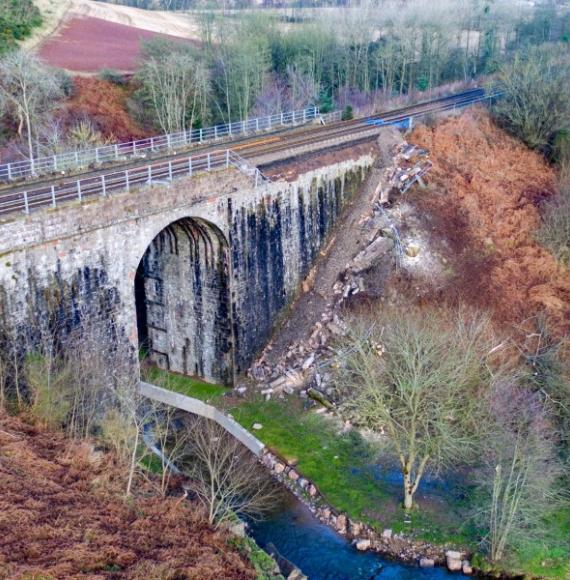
(520, 465)
(225, 476)
(176, 86)
(29, 90)
(166, 440)
(416, 378)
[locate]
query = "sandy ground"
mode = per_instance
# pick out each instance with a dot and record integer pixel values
(56, 12)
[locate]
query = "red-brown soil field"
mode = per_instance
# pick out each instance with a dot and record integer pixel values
(90, 44)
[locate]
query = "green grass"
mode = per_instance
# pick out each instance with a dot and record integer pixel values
(548, 557)
(188, 386)
(339, 464)
(320, 454)
(264, 565)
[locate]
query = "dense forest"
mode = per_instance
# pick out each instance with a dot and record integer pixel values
(253, 63)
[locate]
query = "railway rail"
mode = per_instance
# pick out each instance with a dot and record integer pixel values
(27, 197)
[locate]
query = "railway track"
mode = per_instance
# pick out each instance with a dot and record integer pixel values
(50, 191)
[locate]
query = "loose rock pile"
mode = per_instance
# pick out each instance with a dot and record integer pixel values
(300, 367)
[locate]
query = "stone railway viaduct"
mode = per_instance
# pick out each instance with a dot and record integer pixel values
(197, 270)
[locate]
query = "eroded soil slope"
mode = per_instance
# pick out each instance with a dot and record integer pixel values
(483, 202)
(62, 516)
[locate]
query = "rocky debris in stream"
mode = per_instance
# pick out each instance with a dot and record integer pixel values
(361, 535)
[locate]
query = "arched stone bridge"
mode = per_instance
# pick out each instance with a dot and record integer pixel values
(196, 271)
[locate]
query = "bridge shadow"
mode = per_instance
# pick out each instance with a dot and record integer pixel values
(183, 301)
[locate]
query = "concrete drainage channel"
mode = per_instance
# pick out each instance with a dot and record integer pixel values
(362, 548)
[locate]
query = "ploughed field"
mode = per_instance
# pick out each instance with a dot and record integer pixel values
(86, 44)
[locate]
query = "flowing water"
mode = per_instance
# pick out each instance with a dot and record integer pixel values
(322, 554)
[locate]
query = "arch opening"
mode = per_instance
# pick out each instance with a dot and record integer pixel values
(183, 301)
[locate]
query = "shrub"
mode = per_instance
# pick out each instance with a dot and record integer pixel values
(113, 76)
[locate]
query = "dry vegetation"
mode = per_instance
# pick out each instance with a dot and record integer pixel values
(486, 192)
(63, 515)
(105, 105)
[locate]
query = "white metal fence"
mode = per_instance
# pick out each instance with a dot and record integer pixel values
(71, 160)
(102, 185)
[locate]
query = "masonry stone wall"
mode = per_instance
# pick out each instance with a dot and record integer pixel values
(213, 260)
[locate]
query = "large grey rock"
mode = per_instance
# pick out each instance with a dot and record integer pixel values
(371, 255)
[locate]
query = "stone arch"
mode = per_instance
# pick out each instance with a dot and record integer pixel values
(183, 300)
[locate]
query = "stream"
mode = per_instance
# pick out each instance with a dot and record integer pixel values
(322, 554)
(317, 550)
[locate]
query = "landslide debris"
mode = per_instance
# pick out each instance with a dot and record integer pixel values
(483, 204)
(62, 515)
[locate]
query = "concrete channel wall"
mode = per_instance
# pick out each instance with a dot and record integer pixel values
(202, 409)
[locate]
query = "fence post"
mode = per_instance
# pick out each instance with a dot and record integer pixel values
(127, 180)
(269, 122)
(53, 203)
(26, 205)
(227, 158)
(149, 171)
(209, 161)
(168, 140)
(79, 190)
(282, 118)
(304, 115)
(152, 144)
(256, 176)
(230, 129)
(97, 155)
(116, 152)
(170, 170)
(244, 127)
(55, 162)
(215, 131)
(190, 166)
(9, 172)
(201, 135)
(103, 189)
(134, 148)
(257, 124)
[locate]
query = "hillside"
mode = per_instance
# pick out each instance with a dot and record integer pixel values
(483, 210)
(63, 516)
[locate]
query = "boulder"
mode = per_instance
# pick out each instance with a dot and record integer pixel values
(313, 491)
(341, 523)
(466, 567)
(387, 534)
(371, 255)
(453, 560)
(279, 468)
(293, 475)
(363, 545)
(427, 562)
(257, 426)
